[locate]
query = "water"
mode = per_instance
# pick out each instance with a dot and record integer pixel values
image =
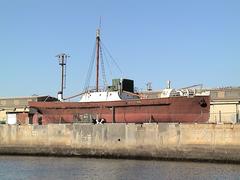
(21, 167)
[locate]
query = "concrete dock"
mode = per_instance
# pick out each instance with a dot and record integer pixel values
(201, 142)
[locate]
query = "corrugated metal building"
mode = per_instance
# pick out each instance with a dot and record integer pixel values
(225, 105)
(15, 109)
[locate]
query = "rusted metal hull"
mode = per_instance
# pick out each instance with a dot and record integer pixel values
(174, 109)
(22, 118)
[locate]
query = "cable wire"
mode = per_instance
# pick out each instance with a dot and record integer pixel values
(90, 69)
(115, 62)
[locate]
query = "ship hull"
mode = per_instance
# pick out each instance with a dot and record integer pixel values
(173, 109)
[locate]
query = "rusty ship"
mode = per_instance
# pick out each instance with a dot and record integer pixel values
(119, 103)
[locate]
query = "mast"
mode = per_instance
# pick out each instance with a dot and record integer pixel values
(97, 58)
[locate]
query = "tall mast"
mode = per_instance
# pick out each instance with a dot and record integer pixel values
(97, 58)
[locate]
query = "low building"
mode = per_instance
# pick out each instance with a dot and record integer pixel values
(15, 110)
(225, 105)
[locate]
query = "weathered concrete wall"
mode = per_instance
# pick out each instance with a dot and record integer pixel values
(154, 141)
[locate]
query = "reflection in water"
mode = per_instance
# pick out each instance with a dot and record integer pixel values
(21, 167)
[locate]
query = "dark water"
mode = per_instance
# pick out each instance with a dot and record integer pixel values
(20, 167)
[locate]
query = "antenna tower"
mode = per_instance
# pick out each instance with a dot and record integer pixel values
(62, 59)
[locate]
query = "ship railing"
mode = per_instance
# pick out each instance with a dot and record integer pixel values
(93, 89)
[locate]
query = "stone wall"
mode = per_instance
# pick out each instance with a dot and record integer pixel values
(204, 142)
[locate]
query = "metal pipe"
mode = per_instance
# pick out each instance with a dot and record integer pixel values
(113, 115)
(237, 114)
(62, 83)
(220, 116)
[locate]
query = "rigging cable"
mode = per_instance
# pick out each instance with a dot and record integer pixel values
(115, 62)
(108, 64)
(103, 68)
(90, 69)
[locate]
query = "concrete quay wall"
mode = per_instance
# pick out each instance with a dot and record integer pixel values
(202, 142)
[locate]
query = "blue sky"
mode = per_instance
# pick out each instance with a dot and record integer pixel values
(188, 42)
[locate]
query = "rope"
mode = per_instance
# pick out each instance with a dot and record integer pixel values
(108, 64)
(114, 61)
(90, 69)
(103, 68)
(103, 56)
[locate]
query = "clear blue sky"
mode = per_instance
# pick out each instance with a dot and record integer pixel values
(188, 42)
